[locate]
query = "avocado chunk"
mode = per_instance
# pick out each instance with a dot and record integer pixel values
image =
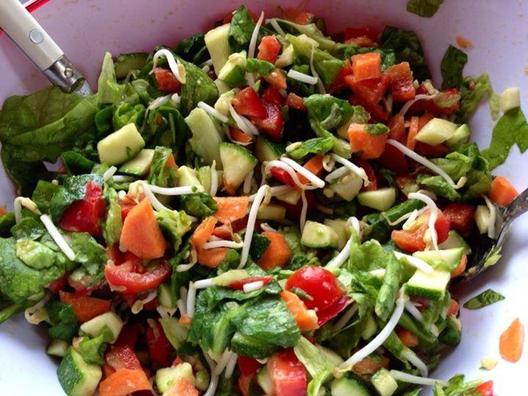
(381, 199)
(109, 320)
(206, 138)
(217, 43)
(121, 145)
(188, 177)
(384, 382)
(317, 235)
(233, 73)
(77, 377)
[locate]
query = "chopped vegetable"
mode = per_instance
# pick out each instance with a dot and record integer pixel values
(511, 342)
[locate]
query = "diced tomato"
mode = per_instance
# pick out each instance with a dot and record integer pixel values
(58, 284)
(287, 373)
(376, 111)
(502, 192)
(247, 103)
(166, 81)
(276, 79)
(244, 382)
(273, 123)
(85, 307)
(272, 95)
(281, 175)
(125, 279)
(366, 31)
(329, 313)
(371, 90)
(239, 284)
(318, 283)
(269, 49)
(413, 240)
(126, 204)
(371, 175)
(119, 357)
(486, 388)
(85, 215)
(460, 217)
(294, 101)
(395, 160)
(129, 335)
(247, 365)
(294, 211)
(160, 349)
(366, 66)
(339, 83)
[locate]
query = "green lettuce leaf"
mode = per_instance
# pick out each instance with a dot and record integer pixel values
(113, 223)
(240, 29)
(161, 174)
(484, 299)
(472, 91)
(91, 255)
(457, 387)
(198, 88)
(319, 145)
(127, 113)
(259, 66)
(108, 90)
(452, 67)
(175, 224)
(424, 8)
(326, 112)
(198, 204)
(64, 323)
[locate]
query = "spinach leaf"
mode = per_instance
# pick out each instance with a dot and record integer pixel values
(389, 288)
(162, 171)
(198, 204)
(166, 127)
(28, 228)
(63, 320)
(472, 91)
(452, 67)
(193, 49)
(175, 224)
(73, 189)
(198, 88)
(319, 145)
(7, 221)
(511, 128)
(240, 29)
(407, 48)
(113, 223)
(259, 244)
(484, 299)
(424, 8)
(88, 253)
(76, 163)
(127, 113)
(326, 112)
(35, 254)
(259, 66)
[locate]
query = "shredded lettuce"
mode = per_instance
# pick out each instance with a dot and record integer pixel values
(487, 297)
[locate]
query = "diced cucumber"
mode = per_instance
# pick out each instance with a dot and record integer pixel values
(165, 377)
(206, 137)
(58, 348)
(482, 218)
(285, 58)
(271, 212)
(204, 177)
(233, 73)
(455, 240)
(126, 63)
(432, 285)
(317, 235)
(175, 332)
(223, 101)
(264, 381)
(342, 229)
(165, 296)
(333, 358)
(188, 177)
(381, 199)
(290, 196)
(94, 327)
(217, 43)
(446, 260)
(347, 186)
(77, 377)
(510, 98)
(121, 145)
(460, 136)
(371, 328)
(348, 386)
(139, 165)
(237, 163)
(384, 382)
(436, 131)
(266, 150)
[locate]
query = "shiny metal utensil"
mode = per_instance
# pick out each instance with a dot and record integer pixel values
(487, 251)
(33, 40)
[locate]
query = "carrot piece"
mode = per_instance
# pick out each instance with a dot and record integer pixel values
(406, 337)
(124, 382)
(370, 365)
(85, 307)
(424, 119)
(203, 232)
(3, 211)
(463, 42)
(305, 319)
(371, 146)
(502, 191)
(230, 209)
(141, 233)
(453, 307)
(414, 128)
(314, 165)
(366, 66)
(211, 257)
(225, 231)
(459, 270)
(511, 342)
(277, 254)
(208, 257)
(400, 71)
(108, 370)
(182, 387)
(238, 136)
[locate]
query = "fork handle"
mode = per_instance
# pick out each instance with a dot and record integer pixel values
(518, 207)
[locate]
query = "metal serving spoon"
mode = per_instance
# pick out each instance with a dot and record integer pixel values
(33, 40)
(487, 251)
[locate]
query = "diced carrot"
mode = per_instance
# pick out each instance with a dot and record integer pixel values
(459, 270)
(85, 307)
(400, 71)
(277, 254)
(277, 79)
(224, 231)
(185, 320)
(306, 319)
(511, 342)
(313, 165)
(370, 365)
(366, 66)
(182, 387)
(211, 257)
(371, 146)
(208, 257)
(141, 233)
(238, 136)
(406, 337)
(502, 191)
(453, 307)
(124, 382)
(171, 162)
(203, 232)
(397, 128)
(230, 209)
(463, 42)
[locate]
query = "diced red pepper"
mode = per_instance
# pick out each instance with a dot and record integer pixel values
(371, 90)
(58, 284)
(269, 49)
(129, 335)
(160, 349)
(486, 388)
(339, 83)
(395, 160)
(460, 217)
(276, 79)
(327, 314)
(119, 357)
(281, 175)
(166, 81)
(247, 103)
(273, 123)
(294, 101)
(272, 95)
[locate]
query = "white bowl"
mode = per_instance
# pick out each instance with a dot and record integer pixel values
(499, 31)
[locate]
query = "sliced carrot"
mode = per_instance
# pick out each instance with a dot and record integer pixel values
(230, 209)
(203, 232)
(238, 136)
(511, 342)
(371, 146)
(208, 257)
(306, 319)
(85, 307)
(182, 387)
(277, 254)
(414, 128)
(406, 337)
(124, 382)
(502, 191)
(366, 66)
(313, 165)
(459, 270)
(141, 233)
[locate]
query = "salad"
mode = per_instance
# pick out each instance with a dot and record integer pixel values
(262, 209)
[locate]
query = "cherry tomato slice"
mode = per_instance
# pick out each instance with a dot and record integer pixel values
(124, 278)
(288, 374)
(318, 283)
